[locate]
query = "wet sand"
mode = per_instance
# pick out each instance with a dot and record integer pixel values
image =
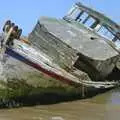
(101, 107)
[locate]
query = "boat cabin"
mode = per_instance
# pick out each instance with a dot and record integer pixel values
(95, 21)
(84, 40)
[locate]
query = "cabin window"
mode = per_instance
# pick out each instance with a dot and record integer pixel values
(83, 17)
(106, 32)
(116, 40)
(90, 22)
(74, 13)
(110, 34)
(117, 43)
(87, 20)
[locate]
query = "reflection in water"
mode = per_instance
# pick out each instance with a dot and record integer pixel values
(110, 98)
(115, 97)
(101, 107)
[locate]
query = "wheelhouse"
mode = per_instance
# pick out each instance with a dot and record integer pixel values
(95, 21)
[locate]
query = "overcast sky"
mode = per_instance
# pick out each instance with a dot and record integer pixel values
(26, 12)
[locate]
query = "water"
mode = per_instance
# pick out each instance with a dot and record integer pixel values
(101, 107)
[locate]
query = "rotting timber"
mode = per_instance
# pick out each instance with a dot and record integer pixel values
(82, 50)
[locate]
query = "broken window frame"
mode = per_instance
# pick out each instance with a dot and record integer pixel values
(82, 17)
(106, 32)
(115, 36)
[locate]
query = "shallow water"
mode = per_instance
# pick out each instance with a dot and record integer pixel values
(101, 107)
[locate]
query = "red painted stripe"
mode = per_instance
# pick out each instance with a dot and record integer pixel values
(52, 74)
(17, 56)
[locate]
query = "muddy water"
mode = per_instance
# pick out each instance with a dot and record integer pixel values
(101, 107)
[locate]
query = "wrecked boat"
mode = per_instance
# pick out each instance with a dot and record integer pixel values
(84, 44)
(81, 50)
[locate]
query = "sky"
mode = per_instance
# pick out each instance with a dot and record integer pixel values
(25, 13)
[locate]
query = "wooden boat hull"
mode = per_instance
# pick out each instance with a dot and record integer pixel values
(32, 57)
